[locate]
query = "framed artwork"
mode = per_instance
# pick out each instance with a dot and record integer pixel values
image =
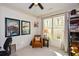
(12, 27)
(25, 27)
(36, 24)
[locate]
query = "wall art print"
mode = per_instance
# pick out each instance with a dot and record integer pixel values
(25, 27)
(12, 27)
(36, 24)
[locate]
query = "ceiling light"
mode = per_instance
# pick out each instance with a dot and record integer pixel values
(35, 3)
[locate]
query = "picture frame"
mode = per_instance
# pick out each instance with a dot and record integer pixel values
(12, 27)
(25, 27)
(36, 24)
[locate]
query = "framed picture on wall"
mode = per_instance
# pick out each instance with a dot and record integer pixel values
(12, 27)
(36, 24)
(25, 27)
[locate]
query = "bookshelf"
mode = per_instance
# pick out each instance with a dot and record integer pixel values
(74, 35)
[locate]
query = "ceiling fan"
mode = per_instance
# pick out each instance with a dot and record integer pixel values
(39, 4)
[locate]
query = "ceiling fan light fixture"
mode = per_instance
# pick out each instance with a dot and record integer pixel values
(36, 3)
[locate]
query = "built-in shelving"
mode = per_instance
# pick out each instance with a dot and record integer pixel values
(74, 35)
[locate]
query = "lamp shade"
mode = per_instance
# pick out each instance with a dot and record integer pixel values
(45, 30)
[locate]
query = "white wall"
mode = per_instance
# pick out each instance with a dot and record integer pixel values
(22, 40)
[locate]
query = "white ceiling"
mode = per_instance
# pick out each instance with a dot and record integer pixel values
(36, 11)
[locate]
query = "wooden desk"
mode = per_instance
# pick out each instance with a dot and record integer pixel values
(46, 42)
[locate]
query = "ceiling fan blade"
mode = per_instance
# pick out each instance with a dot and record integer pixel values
(39, 4)
(31, 6)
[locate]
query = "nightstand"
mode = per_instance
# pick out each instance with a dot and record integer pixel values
(13, 48)
(46, 42)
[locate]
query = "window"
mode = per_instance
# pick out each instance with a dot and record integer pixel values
(47, 27)
(58, 27)
(54, 27)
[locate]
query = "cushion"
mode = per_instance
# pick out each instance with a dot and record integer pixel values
(37, 38)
